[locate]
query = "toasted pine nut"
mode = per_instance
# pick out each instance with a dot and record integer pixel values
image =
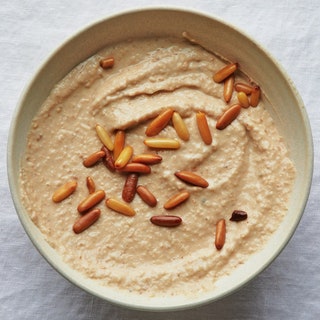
(162, 143)
(177, 199)
(130, 186)
(93, 158)
(147, 196)
(220, 237)
(240, 86)
(91, 200)
(192, 178)
(228, 88)
(159, 122)
(120, 207)
(238, 215)
(147, 158)
(90, 185)
(180, 127)
(243, 99)
(203, 128)
(64, 191)
(85, 221)
(225, 72)
(119, 142)
(124, 157)
(228, 116)
(107, 63)
(108, 159)
(136, 167)
(104, 137)
(255, 96)
(166, 221)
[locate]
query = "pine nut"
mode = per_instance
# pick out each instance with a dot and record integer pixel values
(177, 199)
(162, 143)
(166, 221)
(246, 88)
(220, 237)
(228, 88)
(108, 160)
(136, 168)
(93, 158)
(130, 186)
(120, 207)
(180, 127)
(124, 157)
(243, 99)
(104, 137)
(147, 158)
(107, 63)
(159, 123)
(147, 196)
(64, 191)
(119, 142)
(91, 200)
(90, 185)
(225, 72)
(192, 178)
(203, 128)
(228, 116)
(255, 96)
(85, 221)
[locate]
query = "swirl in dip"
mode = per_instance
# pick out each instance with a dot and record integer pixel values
(246, 165)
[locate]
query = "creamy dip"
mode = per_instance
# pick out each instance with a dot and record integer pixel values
(247, 167)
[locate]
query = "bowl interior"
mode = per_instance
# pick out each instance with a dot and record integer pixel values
(285, 106)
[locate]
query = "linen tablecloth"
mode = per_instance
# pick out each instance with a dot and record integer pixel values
(30, 289)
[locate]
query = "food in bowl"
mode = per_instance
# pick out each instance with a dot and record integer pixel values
(154, 167)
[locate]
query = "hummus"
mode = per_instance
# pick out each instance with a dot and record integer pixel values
(246, 165)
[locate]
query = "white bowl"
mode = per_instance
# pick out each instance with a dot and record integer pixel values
(289, 114)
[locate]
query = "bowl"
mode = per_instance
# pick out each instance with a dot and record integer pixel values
(288, 113)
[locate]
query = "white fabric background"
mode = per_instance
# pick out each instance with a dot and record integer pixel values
(30, 288)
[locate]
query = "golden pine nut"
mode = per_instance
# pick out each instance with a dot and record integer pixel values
(104, 137)
(119, 142)
(180, 127)
(64, 191)
(243, 99)
(120, 207)
(124, 157)
(162, 143)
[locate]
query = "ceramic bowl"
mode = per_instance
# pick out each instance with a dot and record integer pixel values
(289, 114)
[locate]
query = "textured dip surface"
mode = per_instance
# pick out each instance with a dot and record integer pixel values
(247, 167)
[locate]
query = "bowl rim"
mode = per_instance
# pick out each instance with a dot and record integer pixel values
(12, 134)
